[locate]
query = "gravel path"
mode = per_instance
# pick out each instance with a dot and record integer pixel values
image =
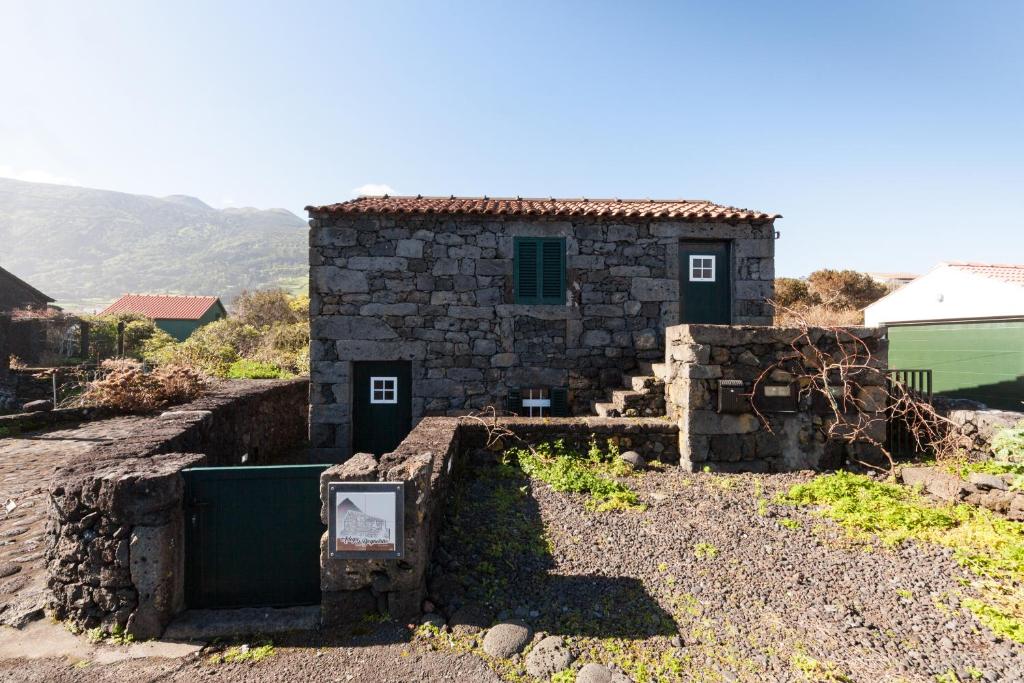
(26, 465)
(714, 582)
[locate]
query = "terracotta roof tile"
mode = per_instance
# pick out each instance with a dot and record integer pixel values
(163, 306)
(673, 209)
(1013, 274)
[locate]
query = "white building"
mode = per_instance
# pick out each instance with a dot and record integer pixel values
(954, 291)
(965, 323)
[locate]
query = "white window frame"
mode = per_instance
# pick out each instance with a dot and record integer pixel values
(388, 386)
(539, 402)
(702, 266)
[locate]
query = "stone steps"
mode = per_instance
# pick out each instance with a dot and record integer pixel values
(644, 396)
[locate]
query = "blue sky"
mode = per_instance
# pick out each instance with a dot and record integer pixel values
(890, 135)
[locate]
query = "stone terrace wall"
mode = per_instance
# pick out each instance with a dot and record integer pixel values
(653, 438)
(978, 425)
(698, 357)
(424, 461)
(115, 534)
(438, 291)
(7, 401)
(435, 451)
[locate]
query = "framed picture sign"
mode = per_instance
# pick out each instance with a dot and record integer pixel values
(366, 520)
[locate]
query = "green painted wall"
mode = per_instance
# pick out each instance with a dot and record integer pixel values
(181, 329)
(982, 361)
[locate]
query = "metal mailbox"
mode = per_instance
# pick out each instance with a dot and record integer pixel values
(733, 396)
(775, 397)
(821, 406)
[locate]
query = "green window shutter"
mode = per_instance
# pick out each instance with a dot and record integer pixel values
(515, 401)
(559, 402)
(539, 273)
(553, 271)
(527, 275)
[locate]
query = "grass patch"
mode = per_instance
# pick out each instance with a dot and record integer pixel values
(705, 551)
(240, 654)
(990, 547)
(593, 474)
(115, 636)
(790, 524)
(813, 670)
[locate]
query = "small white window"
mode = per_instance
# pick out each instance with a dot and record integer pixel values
(702, 268)
(383, 390)
(536, 402)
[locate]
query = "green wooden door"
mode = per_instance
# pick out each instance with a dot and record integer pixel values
(981, 361)
(381, 405)
(705, 283)
(252, 536)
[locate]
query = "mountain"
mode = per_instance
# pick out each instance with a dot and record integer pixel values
(87, 247)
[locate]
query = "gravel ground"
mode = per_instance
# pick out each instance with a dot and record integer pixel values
(713, 582)
(385, 655)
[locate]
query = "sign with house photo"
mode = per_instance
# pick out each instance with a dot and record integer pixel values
(365, 520)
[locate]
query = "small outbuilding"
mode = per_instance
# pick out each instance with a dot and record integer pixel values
(15, 293)
(178, 316)
(965, 322)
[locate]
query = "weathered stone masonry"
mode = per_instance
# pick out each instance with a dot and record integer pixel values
(437, 290)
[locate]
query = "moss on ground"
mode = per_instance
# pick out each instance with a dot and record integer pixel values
(990, 547)
(594, 474)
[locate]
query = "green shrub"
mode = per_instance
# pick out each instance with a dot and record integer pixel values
(987, 545)
(253, 369)
(1008, 444)
(567, 470)
(138, 329)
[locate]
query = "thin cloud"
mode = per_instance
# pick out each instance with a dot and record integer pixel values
(35, 175)
(373, 190)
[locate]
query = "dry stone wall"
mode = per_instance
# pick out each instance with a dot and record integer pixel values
(115, 531)
(438, 291)
(436, 450)
(698, 358)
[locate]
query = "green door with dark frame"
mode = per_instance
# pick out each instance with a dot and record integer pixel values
(705, 284)
(252, 536)
(381, 405)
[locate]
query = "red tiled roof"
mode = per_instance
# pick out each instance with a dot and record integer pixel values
(163, 306)
(677, 209)
(1013, 274)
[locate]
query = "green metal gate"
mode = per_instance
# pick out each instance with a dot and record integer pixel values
(252, 536)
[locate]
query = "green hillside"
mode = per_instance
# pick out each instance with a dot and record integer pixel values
(86, 247)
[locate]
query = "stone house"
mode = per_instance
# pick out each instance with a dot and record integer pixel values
(443, 305)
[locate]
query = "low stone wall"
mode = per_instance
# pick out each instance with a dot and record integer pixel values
(424, 461)
(653, 438)
(699, 358)
(978, 425)
(16, 423)
(115, 533)
(435, 451)
(7, 400)
(984, 490)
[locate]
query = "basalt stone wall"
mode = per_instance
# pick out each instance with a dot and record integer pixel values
(115, 531)
(425, 461)
(7, 401)
(438, 291)
(700, 357)
(978, 425)
(435, 451)
(653, 438)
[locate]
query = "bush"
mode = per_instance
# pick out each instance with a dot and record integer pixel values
(266, 307)
(254, 369)
(844, 289)
(128, 389)
(138, 329)
(1008, 444)
(268, 337)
